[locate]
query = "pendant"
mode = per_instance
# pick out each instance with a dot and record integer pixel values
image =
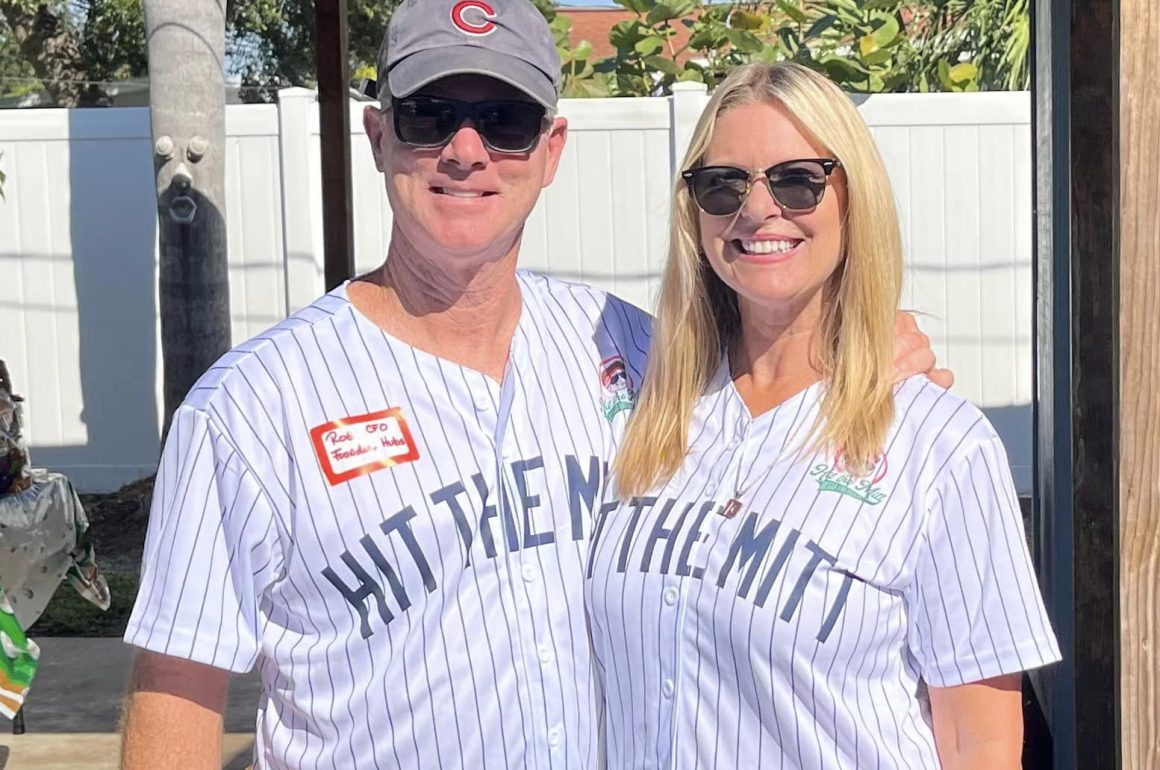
(731, 508)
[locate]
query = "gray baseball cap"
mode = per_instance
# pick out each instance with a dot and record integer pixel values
(508, 40)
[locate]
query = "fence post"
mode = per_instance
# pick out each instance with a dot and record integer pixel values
(302, 259)
(685, 105)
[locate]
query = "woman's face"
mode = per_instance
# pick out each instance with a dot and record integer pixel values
(777, 260)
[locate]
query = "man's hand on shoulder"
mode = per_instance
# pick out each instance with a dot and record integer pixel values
(914, 355)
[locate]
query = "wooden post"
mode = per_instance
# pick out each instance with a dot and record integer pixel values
(1077, 522)
(1139, 341)
(330, 20)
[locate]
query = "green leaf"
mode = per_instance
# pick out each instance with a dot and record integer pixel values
(964, 72)
(944, 75)
(887, 5)
(888, 33)
(881, 56)
(743, 41)
(637, 6)
(708, 39)
(661, 64)
(630, 85)
(844, 70)
(648, 46)
(772, 54)
(561, 24)
(896, 81)
(791, 10)
(582, 51)
(821, 25)
(789, 40)
(626, 34)
(660, 13)
(666, 10)
(850, 6)
(750, 21)
(585, 89)
(692, 74)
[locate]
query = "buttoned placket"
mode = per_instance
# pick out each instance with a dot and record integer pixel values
(526, 579)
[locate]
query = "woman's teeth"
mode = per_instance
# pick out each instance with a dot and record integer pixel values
(767, 246)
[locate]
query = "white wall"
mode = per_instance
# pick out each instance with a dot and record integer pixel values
(78, 320)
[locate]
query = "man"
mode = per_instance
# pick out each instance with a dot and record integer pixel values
(385, 501)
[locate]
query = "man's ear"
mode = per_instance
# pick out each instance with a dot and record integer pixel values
(374, 122)
(556, 139)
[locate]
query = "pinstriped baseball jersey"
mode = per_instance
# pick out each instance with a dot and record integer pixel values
(396, 541)
(795, 632)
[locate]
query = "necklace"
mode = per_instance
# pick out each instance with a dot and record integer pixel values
(733, 505)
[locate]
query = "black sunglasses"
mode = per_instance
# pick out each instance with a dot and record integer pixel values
(508, 126)
(796, 185)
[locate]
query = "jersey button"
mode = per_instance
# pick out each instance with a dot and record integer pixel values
(667, 688)
(554, 737)
(529, 573)
(545, 654)
(671, 596)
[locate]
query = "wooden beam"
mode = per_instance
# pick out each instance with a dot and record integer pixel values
(330, 23)
(1077, 335)
(1139, 342)
(1095, 183)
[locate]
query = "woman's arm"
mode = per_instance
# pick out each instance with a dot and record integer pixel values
(979, 726)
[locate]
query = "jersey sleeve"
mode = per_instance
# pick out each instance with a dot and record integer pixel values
(211, 549)
(974, 602)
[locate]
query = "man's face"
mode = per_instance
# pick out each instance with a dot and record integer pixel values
(463, 202)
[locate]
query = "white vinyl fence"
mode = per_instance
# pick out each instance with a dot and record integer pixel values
(78, 309)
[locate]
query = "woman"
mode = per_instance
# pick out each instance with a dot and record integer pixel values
(809, 567)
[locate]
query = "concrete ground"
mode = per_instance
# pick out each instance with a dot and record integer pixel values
(72, 710)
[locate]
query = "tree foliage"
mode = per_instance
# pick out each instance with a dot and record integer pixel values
(69, 46)
(864, 45)
(271, 42)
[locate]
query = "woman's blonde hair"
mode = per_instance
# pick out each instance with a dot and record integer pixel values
(698, 318)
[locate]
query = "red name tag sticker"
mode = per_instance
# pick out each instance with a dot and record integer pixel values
(355, 446)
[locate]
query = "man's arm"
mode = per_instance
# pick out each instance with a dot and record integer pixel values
(979, 726)
(173, 714)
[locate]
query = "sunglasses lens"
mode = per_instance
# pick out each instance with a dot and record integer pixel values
(798, 186)
(510, 126)
(504, 126)
(719, 192)
(425, 122)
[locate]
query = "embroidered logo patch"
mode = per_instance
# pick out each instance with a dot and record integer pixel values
(355, 446)
(837, 478)
(474, 17)
(619, 394)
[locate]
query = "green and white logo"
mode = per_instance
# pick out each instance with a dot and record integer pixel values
(837, 478)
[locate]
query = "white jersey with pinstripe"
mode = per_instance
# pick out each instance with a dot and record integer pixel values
(798, 632)
(397, 542)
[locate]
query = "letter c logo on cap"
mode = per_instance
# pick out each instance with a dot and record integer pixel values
(479, 24)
